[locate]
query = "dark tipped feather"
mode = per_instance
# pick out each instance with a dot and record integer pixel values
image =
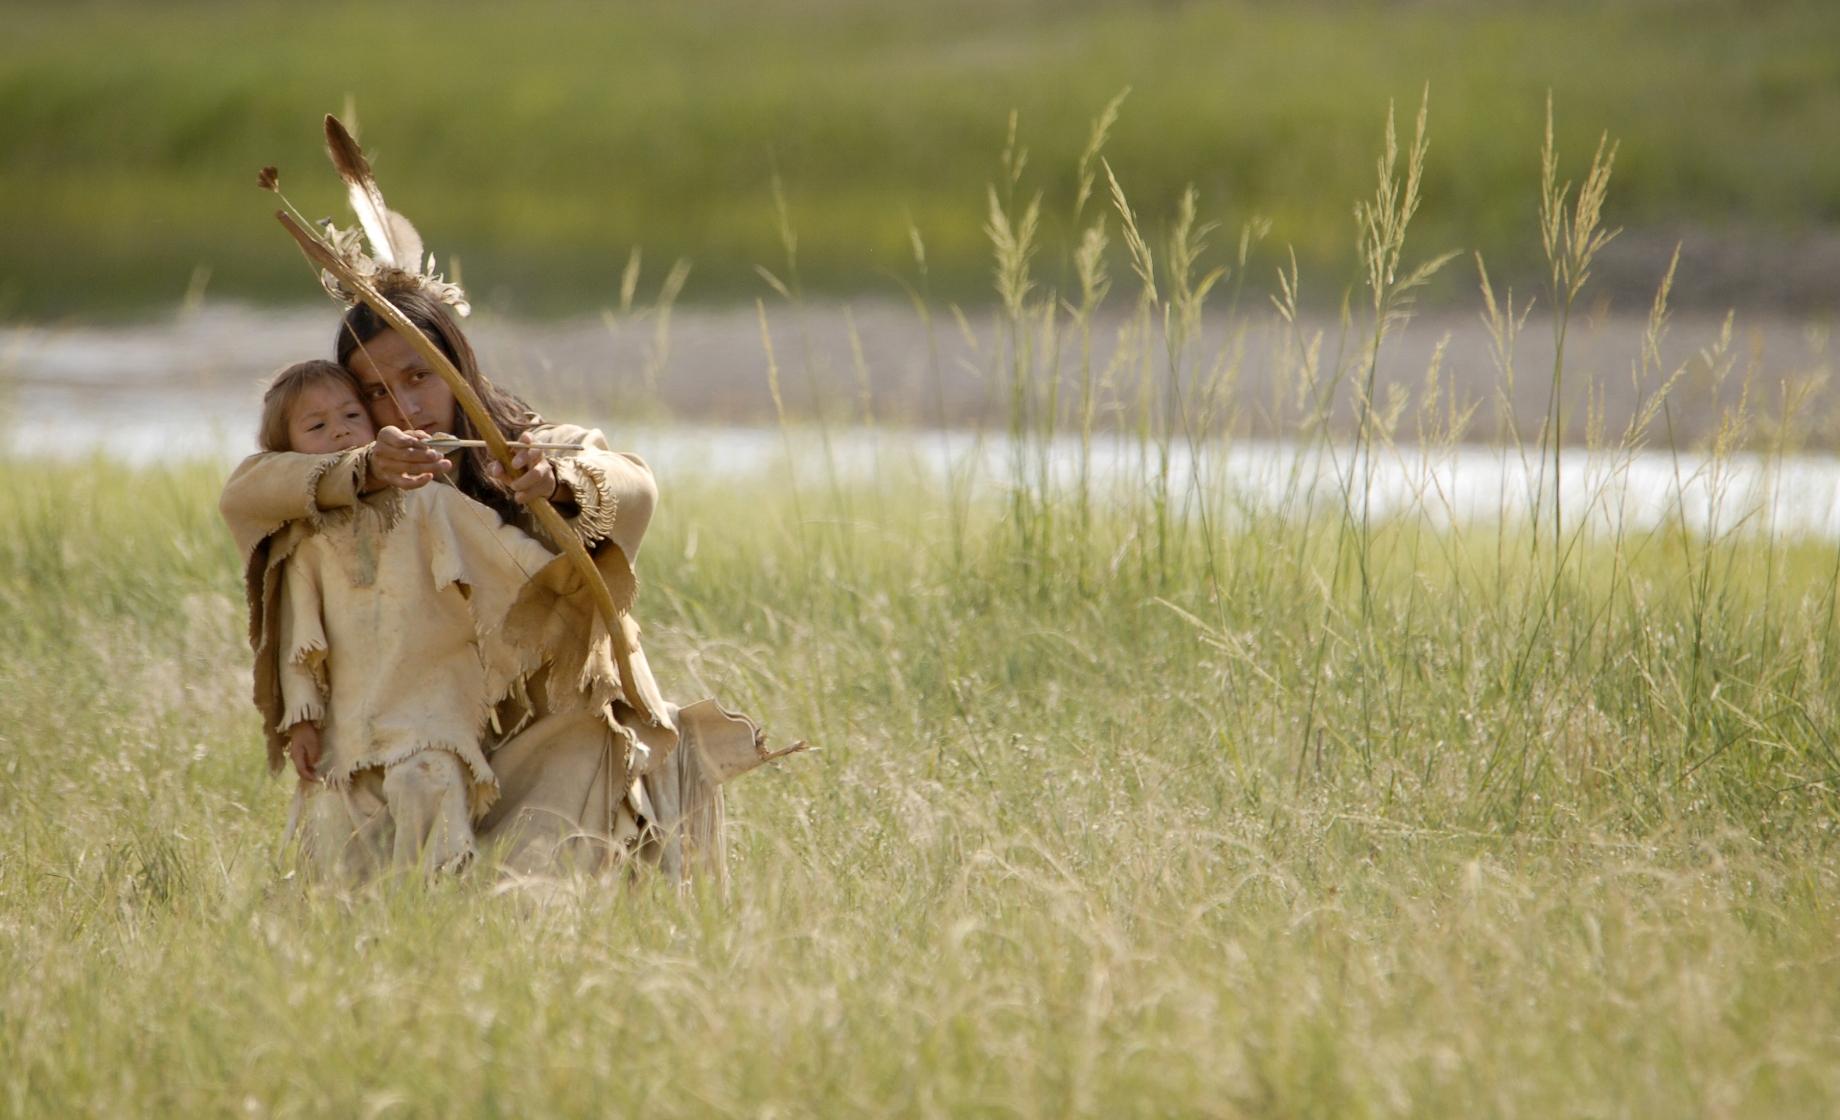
(394, 242)
(347, 156)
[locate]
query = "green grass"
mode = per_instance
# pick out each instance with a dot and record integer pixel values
(1064, 850)
(542, 142)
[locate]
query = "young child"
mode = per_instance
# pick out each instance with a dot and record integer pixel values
(384, 640)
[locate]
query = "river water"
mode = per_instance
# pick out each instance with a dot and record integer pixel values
(186, 388)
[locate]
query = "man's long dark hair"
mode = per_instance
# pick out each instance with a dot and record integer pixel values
(360, 325)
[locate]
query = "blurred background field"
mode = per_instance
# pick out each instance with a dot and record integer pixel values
(543, 141)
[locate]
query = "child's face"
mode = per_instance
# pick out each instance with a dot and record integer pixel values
(327, 417)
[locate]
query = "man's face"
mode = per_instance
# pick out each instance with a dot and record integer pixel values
(391, 372)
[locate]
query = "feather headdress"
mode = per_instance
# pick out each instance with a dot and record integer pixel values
(395, 260)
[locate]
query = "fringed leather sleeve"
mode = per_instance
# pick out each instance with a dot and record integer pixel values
(613, 490)
(272, 488)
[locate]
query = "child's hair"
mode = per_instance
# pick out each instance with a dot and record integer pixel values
(286, 388)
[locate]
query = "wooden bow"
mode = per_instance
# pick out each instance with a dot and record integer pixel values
(321, 254)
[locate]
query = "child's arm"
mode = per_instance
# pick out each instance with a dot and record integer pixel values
(302, 650)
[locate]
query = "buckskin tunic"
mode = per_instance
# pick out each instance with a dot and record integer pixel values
(390, 640)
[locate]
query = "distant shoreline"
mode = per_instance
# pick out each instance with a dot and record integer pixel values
(709, 367)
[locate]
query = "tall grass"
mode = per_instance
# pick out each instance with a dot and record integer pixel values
(1571, 243)
(1539, 634)
(1137, 793)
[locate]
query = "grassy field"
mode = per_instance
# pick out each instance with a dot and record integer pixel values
(543, 142)
(1133, 797)
(1083, 838)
